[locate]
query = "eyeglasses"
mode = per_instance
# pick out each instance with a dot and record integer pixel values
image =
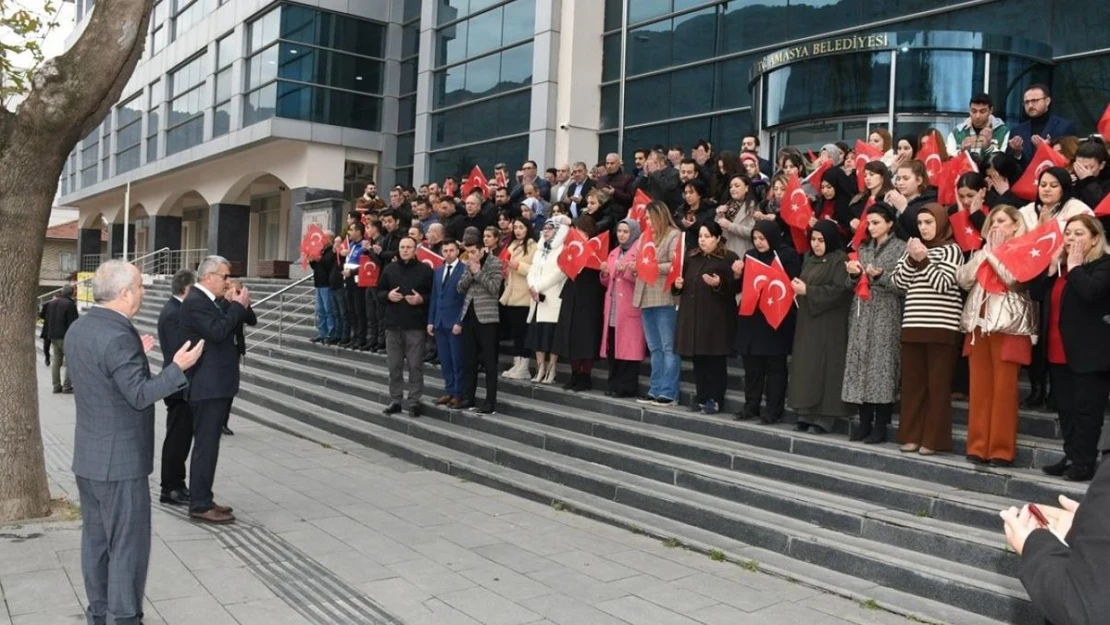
(222, 276)
(1032, 101)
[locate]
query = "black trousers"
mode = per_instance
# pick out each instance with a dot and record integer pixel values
(624, 375)
(375, 328)
(209, 417)
(356, 304)
(1080, 402)
(765, 375)
(479, 345)
(175, 449)
(517, 318)
(710, 378)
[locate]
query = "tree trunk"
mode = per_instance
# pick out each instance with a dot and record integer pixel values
(70, 96)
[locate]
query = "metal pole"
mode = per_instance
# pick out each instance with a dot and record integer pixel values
(281, 319)
(126, 218)
(624, 66)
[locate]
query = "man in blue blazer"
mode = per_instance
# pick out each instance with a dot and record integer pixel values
(444, 312)
(113, 446)
(215, 380)
(1041, 126)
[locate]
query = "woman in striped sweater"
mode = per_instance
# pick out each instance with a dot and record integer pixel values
(930, 333)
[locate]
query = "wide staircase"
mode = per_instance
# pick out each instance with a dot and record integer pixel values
(919, 536)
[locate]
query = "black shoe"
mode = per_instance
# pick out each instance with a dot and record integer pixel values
(57, 390)
(610, 393)
(877, 435)
(662, 402)
(178, 497)
(466, 405)
(1035, 398)
(572, 383)
(1079, 473)
(973, 459)
(68, 390)
(743, 416)
(1056, 470)
(769, 420)
(696, 407)
(645, 399)
(415, 410)
(344, 344)
(392, 409)
(227, 431)
(999, 462)
(332, 342)
(315, 340)
(585, 383)
(801, 427)
(816, 429)
(485, 409)
(860, 433)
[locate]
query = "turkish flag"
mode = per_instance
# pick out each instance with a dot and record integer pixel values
(930, 156)
(863, 287)
(369, 271)
(476, 181)
(1104, 124)
(449, 187)
(597, 250)
(1103, 208)
(950, 177)
(965, 233)
(678, 263)
(800, 238)
(811, 155)
(814, 179)
(574, 258)
(429, 258)
(639, 209)
(778, 295)
(505, 256)
(865, 153)
(647, 263)
(1031, 253)
(756, 275)
(502, 181)
(1045, 157)
(988, 278)
(311, 244)
(861, 228)
(796, 210)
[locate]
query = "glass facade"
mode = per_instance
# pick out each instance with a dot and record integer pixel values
(406, 104)
(185, 122)
(227, 50)
(129, 131)
(481, 84)
(314, 66)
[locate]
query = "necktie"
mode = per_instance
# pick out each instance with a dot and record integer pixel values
(447, 274)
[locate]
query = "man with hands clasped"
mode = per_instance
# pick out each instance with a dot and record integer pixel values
(478, 321)
(404, 287)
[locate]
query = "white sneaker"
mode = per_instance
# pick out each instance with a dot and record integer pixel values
(520, 372)
(511, 371)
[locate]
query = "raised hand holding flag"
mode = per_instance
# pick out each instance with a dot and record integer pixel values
(756, 275)
(965, 234)
(574, 257)
(1045, 157)
(639, 209)
(814, 179)
(778, 295)
(476, 181)
(647, 262)
(930, 156)
(369, 271)
(312, 244)
(796, 210)
(597, 251)
(505, 255)
(863, 287)
(865, 153)
(1027, 256)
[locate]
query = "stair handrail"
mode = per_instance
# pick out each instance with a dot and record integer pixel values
(48, 295)
(280, 310)
(283, 290)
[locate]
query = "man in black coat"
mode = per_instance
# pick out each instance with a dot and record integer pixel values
(240, 339)
(321, 281)
(61, 312)
(214, 381)
(404, 288)
(660, 181)
(578, 189)
(179, 416)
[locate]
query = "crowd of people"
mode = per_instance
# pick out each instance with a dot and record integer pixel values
(899, 294)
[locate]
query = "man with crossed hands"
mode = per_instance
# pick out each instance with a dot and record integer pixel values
(405, 286)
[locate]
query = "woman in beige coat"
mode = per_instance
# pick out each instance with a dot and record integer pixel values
(545, 282)
(515, 297)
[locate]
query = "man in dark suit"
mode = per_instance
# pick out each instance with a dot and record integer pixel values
(619, 186)
(215, 380)
(405, 285)
(660, 181)
(179, 417)
(240, 339)
(1041, 126)
(443, 313)
(530, 174)
(579, 187)
(113, 450)
(61, 312)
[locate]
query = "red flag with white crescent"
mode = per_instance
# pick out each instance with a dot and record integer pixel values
(502, 180)
(597, 251)
(1103, 208)
(778, 295)
(796, 210)
(369, 272)
(865, 153)
(930, 156)
(988, 278)
(861, 228)
(814, 179)
(476, 181)
(1045, 157)
(863, 287)
(574, 257)
(964, 232)
(1104, 124)
(756, 275)
(639, 209)
(1027, 256)
(946, 183)
(505, 255)
(647, 262)
(429, 258)
(312, 244)
(678, 263)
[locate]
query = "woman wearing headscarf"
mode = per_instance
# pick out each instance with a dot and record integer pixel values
(821, 335)
(930, 333)
(1055, 199)
(578, 331)
(707, 306)
(545, 283)
(873, 363)
(622, 335)
(764, 348)
(834, 199)
(737, 217)
(515, 298)
(999, 329)
(658, 313)
(905, 150)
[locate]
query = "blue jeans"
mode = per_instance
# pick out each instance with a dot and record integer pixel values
(325, 313)
(666, 366)
(342, 325)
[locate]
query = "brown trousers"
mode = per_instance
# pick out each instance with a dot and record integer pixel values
(926, 415)
(992, 421)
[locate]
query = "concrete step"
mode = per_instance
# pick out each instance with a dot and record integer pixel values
(323, 425)
(988, 594)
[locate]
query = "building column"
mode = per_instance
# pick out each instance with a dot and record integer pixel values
(165, 232)
(304, 208)
(545, 84)
(88, 244)
(228, 234)
(578, 111)
(115, 241)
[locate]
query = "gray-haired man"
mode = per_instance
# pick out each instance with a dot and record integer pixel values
(113, 450)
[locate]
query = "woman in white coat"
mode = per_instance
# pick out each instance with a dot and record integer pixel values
(1055, 198)
(545, 282)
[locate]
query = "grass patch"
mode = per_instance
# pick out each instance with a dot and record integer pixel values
(716, 555)
(922, 512)
(671, 543)
(558, 506)
(870, 604)
(750, 565)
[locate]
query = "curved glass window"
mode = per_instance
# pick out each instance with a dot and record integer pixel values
(937, 81)
(834, 86)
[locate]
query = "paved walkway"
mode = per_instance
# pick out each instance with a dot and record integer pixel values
(343, 534)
